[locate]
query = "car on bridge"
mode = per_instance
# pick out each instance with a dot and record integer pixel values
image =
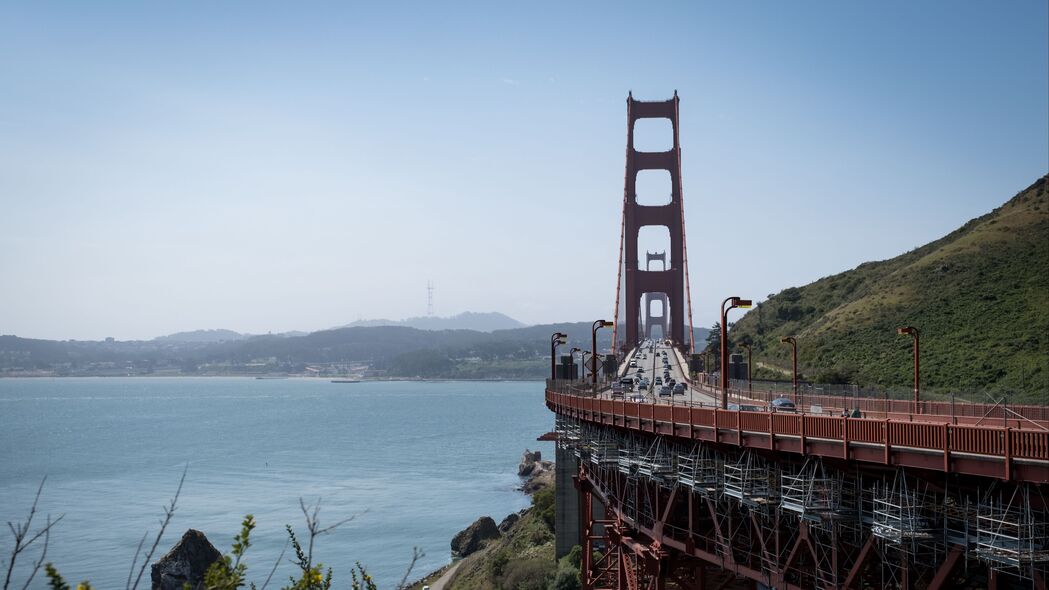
(664, 391)
(679, 389)
(783, 404)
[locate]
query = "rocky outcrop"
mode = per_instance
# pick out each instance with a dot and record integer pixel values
(538, 480)
(185, 563)
(473, 537)
(532, 464)
(509, 521)
(540, 473)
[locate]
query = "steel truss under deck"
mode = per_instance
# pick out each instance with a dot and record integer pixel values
(695, 516)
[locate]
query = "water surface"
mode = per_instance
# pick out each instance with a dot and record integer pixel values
(415, 462)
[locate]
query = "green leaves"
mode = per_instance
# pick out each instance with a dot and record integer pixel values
(228, 573)
(54, 579)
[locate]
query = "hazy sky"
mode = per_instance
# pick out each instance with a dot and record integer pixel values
(295, 166)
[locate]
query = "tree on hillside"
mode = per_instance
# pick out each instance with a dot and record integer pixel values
(714, 343)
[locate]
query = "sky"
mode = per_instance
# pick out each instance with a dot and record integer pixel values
(265, 167)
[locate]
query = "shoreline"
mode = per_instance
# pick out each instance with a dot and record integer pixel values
(530, 484)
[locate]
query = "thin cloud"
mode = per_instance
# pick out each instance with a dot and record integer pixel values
(510, 81)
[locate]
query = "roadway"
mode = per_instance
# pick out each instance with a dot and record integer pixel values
(649, 360)
(648, 357)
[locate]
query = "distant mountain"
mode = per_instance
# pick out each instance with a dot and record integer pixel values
(699, 337)
(203, 336)
(480, 322)
(979, 296)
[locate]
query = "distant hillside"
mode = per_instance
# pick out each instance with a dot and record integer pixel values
(979, 296)
(390, 351)
(481, 322)
(699, 337)
(203, 336)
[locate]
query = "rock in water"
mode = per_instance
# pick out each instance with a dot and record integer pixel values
(185, 563)
(528, 462)
(471, 538)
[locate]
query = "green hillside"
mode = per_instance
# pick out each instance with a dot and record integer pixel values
(979, 296)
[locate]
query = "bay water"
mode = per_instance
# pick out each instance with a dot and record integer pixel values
(412, 462)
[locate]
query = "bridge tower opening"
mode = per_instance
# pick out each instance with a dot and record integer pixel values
(669, 285)
(656, 324)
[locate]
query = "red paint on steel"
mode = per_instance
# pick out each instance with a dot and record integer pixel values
(635, 282)
(944, 446)
(1008, 454)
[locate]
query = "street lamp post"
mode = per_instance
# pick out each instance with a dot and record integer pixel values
(794, 356)
(732, 302)
(582, 361)
(750, 383)
(914, 333)
(593, 333)
(555, 339)
(572, 352)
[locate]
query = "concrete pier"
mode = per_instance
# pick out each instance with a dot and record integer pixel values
(566, 511)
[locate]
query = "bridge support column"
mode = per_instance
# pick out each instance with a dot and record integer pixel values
(566, 498)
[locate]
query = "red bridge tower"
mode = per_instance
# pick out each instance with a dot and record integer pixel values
(670, 284)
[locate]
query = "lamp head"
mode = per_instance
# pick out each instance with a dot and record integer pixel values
(606, 324)
(787, 339)
(741, 303)
(905, 330)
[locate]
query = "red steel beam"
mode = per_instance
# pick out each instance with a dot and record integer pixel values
(986, 451)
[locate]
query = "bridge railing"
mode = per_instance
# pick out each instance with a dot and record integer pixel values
(1017, 417)
(943, 438)
(873, 403)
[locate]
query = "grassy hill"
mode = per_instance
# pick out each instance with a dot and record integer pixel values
(979, 296)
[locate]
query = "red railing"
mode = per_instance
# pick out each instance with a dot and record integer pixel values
(881, 437)
(871, 405)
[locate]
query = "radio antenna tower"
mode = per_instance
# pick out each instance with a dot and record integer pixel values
(429, 299)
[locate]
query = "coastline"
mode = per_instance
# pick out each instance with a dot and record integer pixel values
(539, 476)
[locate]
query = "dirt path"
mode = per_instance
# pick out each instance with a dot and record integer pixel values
(445, 577)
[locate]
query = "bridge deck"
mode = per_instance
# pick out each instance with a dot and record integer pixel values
(990, 451)
(702, 392)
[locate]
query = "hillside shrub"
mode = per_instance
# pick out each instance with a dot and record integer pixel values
(568, 571)
(543, 504)
(528, 574)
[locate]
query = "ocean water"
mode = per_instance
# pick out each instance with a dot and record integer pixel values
(412, 462)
